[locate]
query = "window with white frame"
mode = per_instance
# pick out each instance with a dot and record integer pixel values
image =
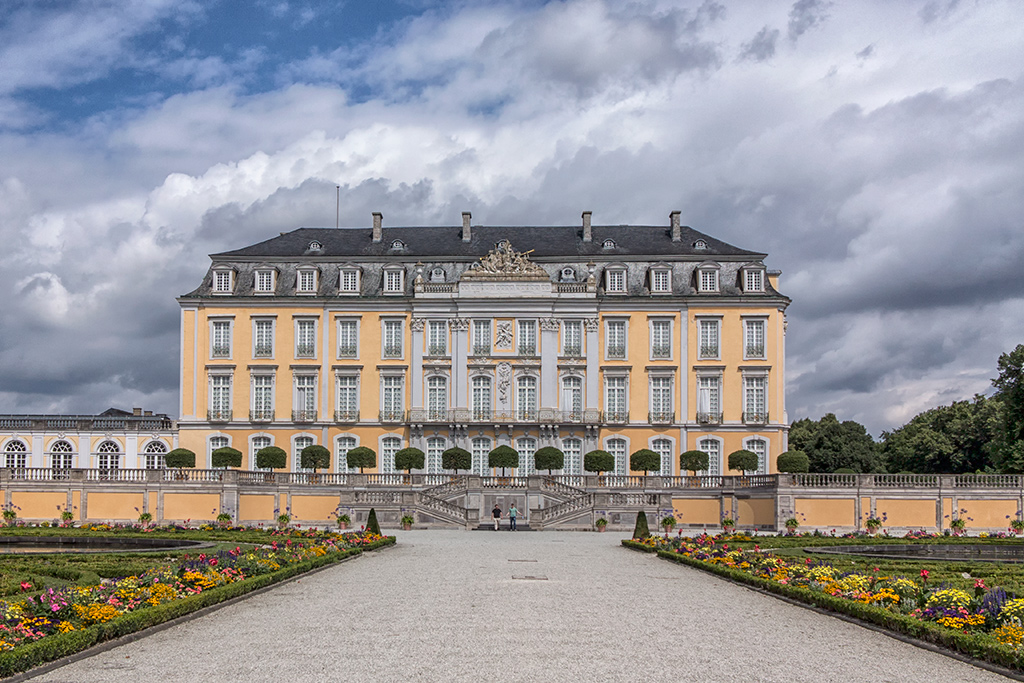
(437, 397)
(223, 281)
(527, 447)
(759, 447)
(572, 338)
(661, 281)
(526, 398)
(615, 280)
(348, 280)
(348, 399)
(573, 450)
(257, 444)
(213, 444)
(220, 397)
(62, 455)
(263, 282)
(108, 456)
(220, 339)
(343, 445)
(392, 398)
(661, 400)
(305, 398)
(709, 406)
(663, 447)
(615, 399)
(436, 447)
(481, 337)
(437, 338)
(753, 280)
(709, 339)
(617, 448)
(300, 443)
(714, 450)
(394, 281)
(154, 455)
(388, 447)
(615, 339)
(479, 448)
(393, 338)
(754, 397)
(263, 337)
(305, 338)
(481, 398)
(753, 333)
(527, 338)
(572, 398)
(661, 339)
(348, 338)
(15, 454)
(262, 397)
(707, 280)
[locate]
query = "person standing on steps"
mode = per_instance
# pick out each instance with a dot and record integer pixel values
(513, 512)
(496, 514)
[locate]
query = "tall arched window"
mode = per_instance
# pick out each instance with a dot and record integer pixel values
(154, 452)
(760, 447)
(481, 446)
(437, 397)
(344, 445)
(258, 444)
(388, 447)
(16, 455)
(573, 449)
(714, 451)
(526, 399)
(297, 446)
(617, 447)
(526, 446)
(436, 445)
(62, 455)
(481, 398)
(108, 456)
(663, 447)
(572, 398)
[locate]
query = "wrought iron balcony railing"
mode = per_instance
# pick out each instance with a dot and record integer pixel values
(572, 350)
(616, 416)
(346, 415)
(661, 351)
(347, 350)
(437, 350)
(218, 415)
(392, 350)
(756, 417)
(755, 350)
(709, 351)
(661, 417)
(527, 349)
(707, 418)
(261, 415)
(303, 416)
(393, 415)
(616, 350)
(481, 349)
(221, 351)
(263, 351)
(305, 350)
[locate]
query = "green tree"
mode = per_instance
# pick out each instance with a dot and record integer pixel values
(180, 457)
(831, 444)
(645, 460)
(504, 457)
(271, 458)
(409, 459)
(743, 461)
(361, 457)
(372, 525)
(693, 461)
(598, 461)
(226, 456)
(641, 530)
(549, 458)
(961, 437)
(1009, 386)
(793, 462)
(456, 459)
(314, 457)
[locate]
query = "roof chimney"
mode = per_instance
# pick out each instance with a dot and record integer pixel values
(677, 233)
(466, 217)
(137, 412)
(378, 231)
(588, 236)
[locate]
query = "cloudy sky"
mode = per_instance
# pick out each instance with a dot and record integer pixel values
(874, 149)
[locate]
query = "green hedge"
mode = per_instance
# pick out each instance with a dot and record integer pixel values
(55, 647)
(984, 647)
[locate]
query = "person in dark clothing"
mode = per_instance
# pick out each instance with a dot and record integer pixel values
(496, 514)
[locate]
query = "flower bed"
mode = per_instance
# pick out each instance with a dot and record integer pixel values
(55, 622)
(979, 620)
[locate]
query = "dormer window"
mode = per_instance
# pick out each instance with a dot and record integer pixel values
(615, 280)
(264, 281)
(305, 281)
(608, 244)
(661, 281)
(315, 246)
(394, 280)
(707, 278)
(700, 244)
(753, 279)
(398, 244)
(437, 275)
(348, 280)
(567, 275)
(223, 281)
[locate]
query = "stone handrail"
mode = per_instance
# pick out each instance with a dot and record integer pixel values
(554, 513)
(504, 482)
(455, 512)
(557, 485)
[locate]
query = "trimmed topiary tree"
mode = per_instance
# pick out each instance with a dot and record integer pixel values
(504, 457)
(694, 461)
(315, 457)
(845, 470)
(372, 526)
(641, 530)
(792, 462)
(598, 461)
(226, 457)
(743, 460)
(362, 456)
(645, 460)
(271, 458)
(180, 457)
(549, 458)
(456, 459)
(409, 459)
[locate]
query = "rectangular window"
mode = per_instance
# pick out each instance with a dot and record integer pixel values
(615, 280)
(388, 448)
(661, 400)
(437, 398)
(572, 338)
(220, 397)
(437, 338)
(754, 339)
(482, 398)
(709, 280)
(222, 281)
(307, 281)
(348, 338)
(709, 406)
(394, 281)
(661, 339)
(392, 403)
(754, 392)
(349, 281)
(480, 448)
(617, 447)
(392, 339)
(305, 338)
(661, 283)
(527, 338)
(305, 398)
(481, 337)
(573, 449)
(348, 399)
(760, 448)
(712, 448)
(526, 399)
(221, 341)
(262, 397)
(615, 400)
(708, 339)
(436, 446)
(753, 280)
(263, 338)
(264, 281)
(527, 447)
(615, 341)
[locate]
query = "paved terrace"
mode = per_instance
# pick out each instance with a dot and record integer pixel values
(447, 606)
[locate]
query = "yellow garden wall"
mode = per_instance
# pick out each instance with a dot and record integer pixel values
(755, 511)
(257, 507)
(823, 512)
(114, 505)
(906, 512)
(313, 507)
(193, 506)
(697, 511)
(39, 505)
(988, 513)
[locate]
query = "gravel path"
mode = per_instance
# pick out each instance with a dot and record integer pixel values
(447, 606)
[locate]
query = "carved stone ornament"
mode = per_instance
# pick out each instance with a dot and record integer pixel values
(417, 324)
(504, 380)
(503, 334)
(591, 324)
(505, 263)
(550, 325)
(458, 324)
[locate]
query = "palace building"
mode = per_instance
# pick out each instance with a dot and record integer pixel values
(580, 337)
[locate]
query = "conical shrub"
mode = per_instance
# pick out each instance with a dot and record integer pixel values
(372, 527)
(640, 531)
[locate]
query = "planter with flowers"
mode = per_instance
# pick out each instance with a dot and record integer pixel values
(872, 524)
(1017, 526)
(792, 524)
(668, 523)
(728, 525)
(407, 521)
(601, 524)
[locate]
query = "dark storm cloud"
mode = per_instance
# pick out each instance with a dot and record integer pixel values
(805, 15)
(762, 46)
